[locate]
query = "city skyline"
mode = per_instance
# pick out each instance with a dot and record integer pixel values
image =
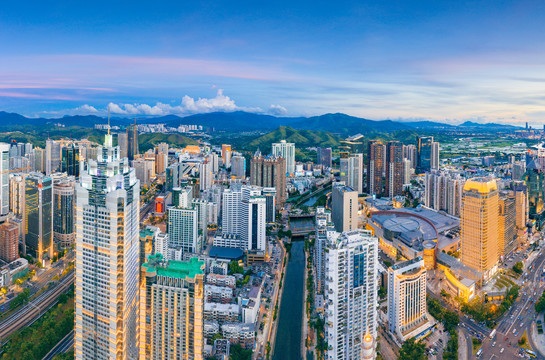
(423, 60)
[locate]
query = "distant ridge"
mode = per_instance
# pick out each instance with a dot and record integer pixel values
(338, 123)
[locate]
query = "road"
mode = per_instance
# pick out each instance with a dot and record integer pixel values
(32, 311)
(517, 320)
(62, 346)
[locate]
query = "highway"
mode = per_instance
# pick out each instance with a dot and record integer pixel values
(35, 308)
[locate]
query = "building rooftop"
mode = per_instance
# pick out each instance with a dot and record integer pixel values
(481, 185)
(226, 253)
(172, 268)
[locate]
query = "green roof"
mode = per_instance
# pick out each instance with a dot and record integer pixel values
(172, 268)
(146, 232)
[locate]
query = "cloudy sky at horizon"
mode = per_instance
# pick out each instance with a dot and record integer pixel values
(436, 60)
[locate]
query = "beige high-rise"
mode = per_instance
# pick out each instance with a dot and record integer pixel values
(480, 220)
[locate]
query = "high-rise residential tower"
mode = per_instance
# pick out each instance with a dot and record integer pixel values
(479, 242)
(122, 142)
(9, 241)
(375, 166)
(506, 223)
(351, 292)
(287, 151)
(226, 155)
(270, 171)
(38, 220)
(394, 169)
(171, 309)
(4, 179)
(107, 258)
(407, 309)
(323, 156)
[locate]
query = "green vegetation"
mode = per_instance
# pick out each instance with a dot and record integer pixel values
(518, 267)
(476, 344)
(302, 139)
(148, 141)
(483, 311)
(34, 341)
(412, 350)
(449, 318)
(236, 352)
(235, 268)
(67, 356)
(21, 299)
(451, 352)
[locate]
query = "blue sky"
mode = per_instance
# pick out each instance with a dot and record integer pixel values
(438, 60)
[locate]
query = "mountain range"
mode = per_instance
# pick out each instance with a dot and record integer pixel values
(336, 123)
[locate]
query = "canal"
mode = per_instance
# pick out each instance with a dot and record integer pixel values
(288, 336)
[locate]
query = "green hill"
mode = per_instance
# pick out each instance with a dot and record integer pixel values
(301, 138)
(148, 141)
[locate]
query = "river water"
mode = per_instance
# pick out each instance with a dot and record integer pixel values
(288, 336)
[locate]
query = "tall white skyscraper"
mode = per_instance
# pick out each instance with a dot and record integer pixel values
(287, 151)
(205, 175)
(355, 172)
(230, 221)
(107, 258)
(435, 155)
(351, 290)
(183, 230)
(52, 156)
(407, 309)
(4, 179)
(253, 214)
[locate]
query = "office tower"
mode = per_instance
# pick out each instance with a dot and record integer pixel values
(183, 230)
(407, 171)
(518, 170)
(52, 156)
(323, 157)
(17, 184)
(253, 224)
(231, 212)
(323, 226)
(351, 294)
(70, 160)
(507, 223)
(122, 143)
(375, 165)
(344, 208)
(38, 221)
(171, 309)
(226, 155)
(354, 175)
(39, 160)
(269, 171)
(64, 201)
(535, 183)
(205, 175)
(185, 197)
(172, 178)
(427, 154)
(394, 169)
(9, 242)
(479, 242)
(107, 258)
(132, 141)
(4, 179)
(270, 202)
(287, 151)
(407, 309)
(238, 166)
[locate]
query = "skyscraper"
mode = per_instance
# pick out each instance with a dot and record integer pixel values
(344, 208)
(534, 177)
(122, 142)
(183, 230)
(205, 175)
(70, 160)
(479, 242)
(506, 223)
(238, 166)
(375, 166)
(323, 156)
(52, 156)
(4, 179)
(253, 214)
(38, 221)
(107, 259)
(132, 141)
(394, 169)
(64, 201)
(407, 309)
(355, 172)
(427, 154)
(351, 294)
(17, 184)
(270, 171)
(231, 212)
(287, 151)
(171, 309)
(226, 155)
(9, 242)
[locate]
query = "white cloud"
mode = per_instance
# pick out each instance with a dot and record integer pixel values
(277, 110)
(187, 106)
(86, 108)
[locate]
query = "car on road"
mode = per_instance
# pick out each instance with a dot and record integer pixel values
(501, 351)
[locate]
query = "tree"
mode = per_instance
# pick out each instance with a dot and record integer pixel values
(518, 267)
(412, 350)
(235, 268)
(237, 352)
